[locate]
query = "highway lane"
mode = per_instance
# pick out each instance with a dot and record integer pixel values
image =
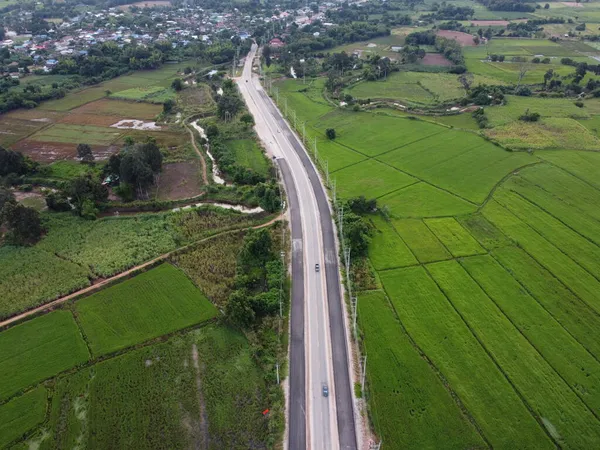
(328, 422)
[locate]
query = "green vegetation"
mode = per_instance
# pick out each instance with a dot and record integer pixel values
(152, 304)
(387, 250)
(74, 134)
(250, 155)
(201, 388)
(39, 349)
(456, 352)
(454, 237)
(542, 388)
(21, 414)
(423, 243)
(399, 376)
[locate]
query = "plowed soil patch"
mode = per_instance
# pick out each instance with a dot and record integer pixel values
(120, 108)
(465, 39)
(56, 151)
(91, 119)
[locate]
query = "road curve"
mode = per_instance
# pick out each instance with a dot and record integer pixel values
(314, 421)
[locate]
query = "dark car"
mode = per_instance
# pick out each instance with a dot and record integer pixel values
(325, 391)
(317, 268)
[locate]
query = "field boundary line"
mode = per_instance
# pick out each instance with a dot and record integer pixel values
(431, 184)
(503, 180)
(507, 270)
(552, 245)
(436, 370)
(498, 366)
(399, 189)
(529, 341)
(94, 287)
(572, 174)
(534, 204)
(440, 241)
(409, 143)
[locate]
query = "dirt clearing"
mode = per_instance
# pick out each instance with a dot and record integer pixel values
(485, 23)
(179, 180)
(435, 59)
(120, 108)
(464, 39)
(90, 119)
(48, 152)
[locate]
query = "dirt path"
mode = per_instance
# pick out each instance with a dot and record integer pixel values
(200, 155)
(118, 276)
(203, 414)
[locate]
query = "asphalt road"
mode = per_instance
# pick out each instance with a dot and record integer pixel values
(318, 351)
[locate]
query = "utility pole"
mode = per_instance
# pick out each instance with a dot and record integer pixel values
(285, 100)
(354, 303)
(277, 369)
(327, 170)
(304, 132)
(363, 373)
(316, 153)
(333, 188)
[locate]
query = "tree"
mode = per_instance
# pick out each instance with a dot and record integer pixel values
(238, 310)
(267, 55)
(256, 249)
(488, 34)
(177, 84)
(466, 79)
(139, 164)
(6, 196)
(24, 224)
(523, 69)
(547, 6)
(228, 105)
(13, 162)
(330, 133)
(212, 131)
(84, 152)
(480, 33)
(168, 106)
(247, 120)
(58, 201)
(85, 189)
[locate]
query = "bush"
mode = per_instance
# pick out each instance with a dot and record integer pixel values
(579, 104)
(523, 91)
(330, 133)
(530, 116)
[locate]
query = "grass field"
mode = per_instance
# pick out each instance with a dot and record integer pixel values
(424, 88)
(201, 389)
(76, 134)
(149, 305)
(39, 349)
(403, 387)
(548, 133)
(26, 281)
(249, 154)
(22, 414)
(581, 164)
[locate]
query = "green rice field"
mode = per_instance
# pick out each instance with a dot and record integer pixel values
(154, 303)
(39, 349)
(21, 414)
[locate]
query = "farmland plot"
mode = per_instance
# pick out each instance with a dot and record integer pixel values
(423, 243)
(403, 387)
(149, 305)
(574, 315)
(387, 250)
(151, 396)
(567, 419)
(454, 237)
(584, 285)
(567, 356)
(371, 179)
(27, 281)
(580, 164)
(21, 414)
(484, 231)
(572, 244)
(424, 200)
(39, 349)
(501, 415)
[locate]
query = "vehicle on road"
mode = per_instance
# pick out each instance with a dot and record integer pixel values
(317, 268)
(325, 391)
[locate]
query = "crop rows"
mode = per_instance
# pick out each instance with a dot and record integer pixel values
(403, 387)
(21, 414)
(454, 237)
(462, 360)
(423, 243)
(584, 285)
(566, 417)
(387, 250)
(149, 305)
